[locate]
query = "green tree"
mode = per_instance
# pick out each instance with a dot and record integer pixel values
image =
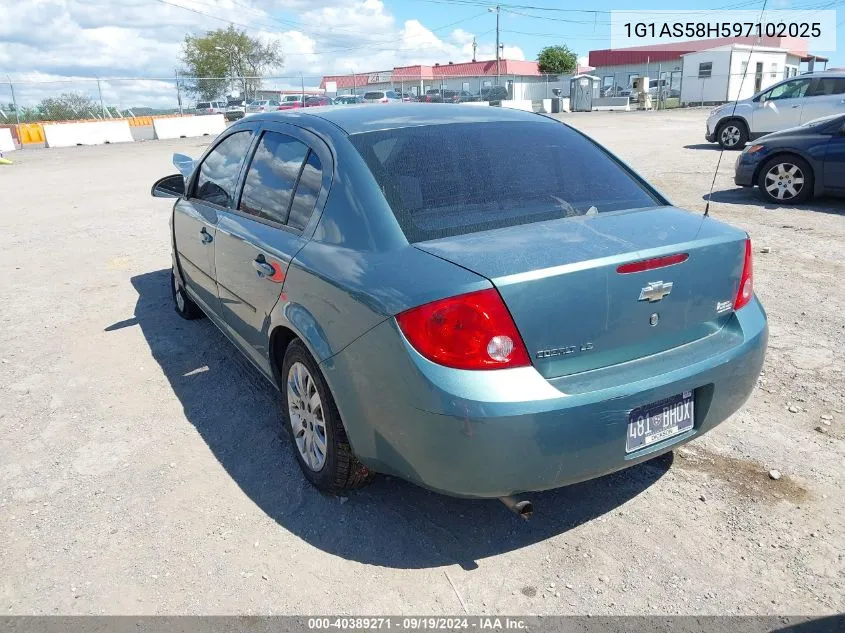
(227, 58)
(67, 106)
(557, 60)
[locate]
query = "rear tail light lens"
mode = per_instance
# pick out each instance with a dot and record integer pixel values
(470, 331)
(746, 281)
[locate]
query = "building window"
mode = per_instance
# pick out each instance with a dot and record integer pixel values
(774, 70)
(705, 70)
(631, 78)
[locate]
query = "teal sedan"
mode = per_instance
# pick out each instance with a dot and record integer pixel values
(482, 301)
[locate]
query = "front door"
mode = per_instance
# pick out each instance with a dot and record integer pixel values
(780, 107)
(834, 162)
(272, 221)
(195, 217)
(825, 97)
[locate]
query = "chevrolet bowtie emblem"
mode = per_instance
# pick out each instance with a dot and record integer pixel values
(655, 291)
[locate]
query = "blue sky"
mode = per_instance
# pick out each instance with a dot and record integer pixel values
(531, 29)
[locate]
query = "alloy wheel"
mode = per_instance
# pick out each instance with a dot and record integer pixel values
(731, 135)
(307, 418)
(784, 181)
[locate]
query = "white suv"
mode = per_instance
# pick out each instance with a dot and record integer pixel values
(787, 104)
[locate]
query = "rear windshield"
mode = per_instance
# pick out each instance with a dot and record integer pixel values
(374, 95)
(451, 179)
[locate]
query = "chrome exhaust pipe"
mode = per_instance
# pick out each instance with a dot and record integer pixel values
(521, 507)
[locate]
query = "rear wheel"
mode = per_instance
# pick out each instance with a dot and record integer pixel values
(786, 179)
(185, 308)
(318, 438)
(732, 135)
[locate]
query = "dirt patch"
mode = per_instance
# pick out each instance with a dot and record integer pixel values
(746, 477)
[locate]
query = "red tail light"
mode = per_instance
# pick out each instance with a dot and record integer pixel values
(384, 101)
(746, 281)
(470, 331)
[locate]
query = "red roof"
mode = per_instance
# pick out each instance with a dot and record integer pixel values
(672, 52)
(422, 72)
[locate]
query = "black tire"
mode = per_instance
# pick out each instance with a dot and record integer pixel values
(786, 169)
(183, 305)
(732, 135)
(341, 470)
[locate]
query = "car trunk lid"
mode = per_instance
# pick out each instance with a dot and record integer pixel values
(576, 310)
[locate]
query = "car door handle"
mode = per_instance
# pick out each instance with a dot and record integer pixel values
(262, 267)
(796, 106)
(205, 236)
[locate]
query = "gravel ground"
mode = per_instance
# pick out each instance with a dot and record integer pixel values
(142, 469)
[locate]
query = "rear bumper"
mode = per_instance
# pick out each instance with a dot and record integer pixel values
(488, 434)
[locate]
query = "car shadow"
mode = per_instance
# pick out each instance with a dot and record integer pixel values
(751, 195)
(390, 523)
(711, 146)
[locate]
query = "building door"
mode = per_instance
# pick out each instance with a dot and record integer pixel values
(758, 78)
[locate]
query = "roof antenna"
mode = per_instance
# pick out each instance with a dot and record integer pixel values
(733, 112)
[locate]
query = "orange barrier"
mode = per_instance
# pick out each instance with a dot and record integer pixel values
(30, 133)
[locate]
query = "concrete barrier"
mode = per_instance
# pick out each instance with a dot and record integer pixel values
(564, 105)
(181, 127)
(91, 133)
(518, 104)
(7, 144)
(612, 103)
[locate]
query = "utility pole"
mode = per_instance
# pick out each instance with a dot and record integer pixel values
(474, 46)
(302, 85)
(497, 10)
(354, 87)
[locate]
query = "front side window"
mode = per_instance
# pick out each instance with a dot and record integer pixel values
(272, 177)
(374, 95)
(451, 179)
(789, 90)
(218, 174)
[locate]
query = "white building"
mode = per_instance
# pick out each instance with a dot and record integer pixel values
(734, 71)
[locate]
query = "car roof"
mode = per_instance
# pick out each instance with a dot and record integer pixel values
(355, 119)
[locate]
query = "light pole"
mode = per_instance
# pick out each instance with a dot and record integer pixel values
(496, 10)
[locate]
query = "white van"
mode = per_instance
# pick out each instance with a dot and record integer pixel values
(786, 104)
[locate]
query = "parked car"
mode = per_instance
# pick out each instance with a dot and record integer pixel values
(431, 96)
(310, 102)
(526, 316)
(235, 109)
(262, 105)
(348, 99)
(210, 107)
(786, 104)
(382, 96)
(494, 94)
(406, 97)
(792, 166)
(463, 96)
(290, 102)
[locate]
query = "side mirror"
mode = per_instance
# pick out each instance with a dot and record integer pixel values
(169, 187)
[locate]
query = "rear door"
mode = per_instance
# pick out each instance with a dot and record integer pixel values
(287, 177)
(212, 190)
(834, 161)
(780, 108)
(825, 97)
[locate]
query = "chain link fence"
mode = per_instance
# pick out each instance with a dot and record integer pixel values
(23, 101)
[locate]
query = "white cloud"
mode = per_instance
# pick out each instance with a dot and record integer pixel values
(78, 40)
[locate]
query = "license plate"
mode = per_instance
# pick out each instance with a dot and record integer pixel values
(658, 421)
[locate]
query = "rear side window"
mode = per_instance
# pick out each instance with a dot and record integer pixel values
(451, 179)
(272, 177)
(825, 86)
(374, 95)
(307, 191)
(204, 105)
(218, 173)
